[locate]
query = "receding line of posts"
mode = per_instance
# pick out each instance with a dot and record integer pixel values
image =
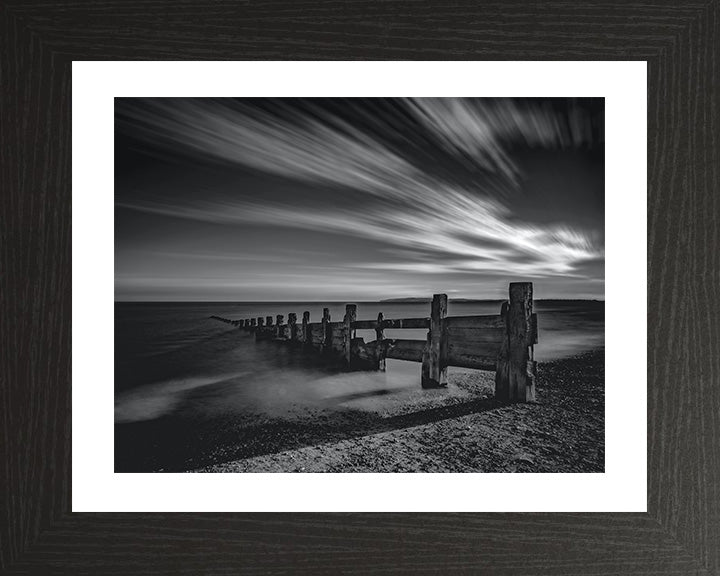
(502, 343)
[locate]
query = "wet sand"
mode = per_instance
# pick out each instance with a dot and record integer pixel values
(461, 429)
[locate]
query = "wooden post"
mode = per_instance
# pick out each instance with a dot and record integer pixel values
(350, 317)
(279, 326)
(292, 326)
(305, 322)
(268, 321)
(515, 377)
(379, 337)
(327, 333)
(434, 366)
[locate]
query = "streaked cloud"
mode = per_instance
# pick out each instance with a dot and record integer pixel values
(430, 223)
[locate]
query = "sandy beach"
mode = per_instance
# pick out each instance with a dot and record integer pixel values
(461, 429)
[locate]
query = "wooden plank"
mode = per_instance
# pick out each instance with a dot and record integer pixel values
(533, 329)
(379, 337)
(304, 333)
(407, 323)
(364, 356)
(398, 323)
(347, 333)
(434, 371)
(364, 324)
(292, 329)
(406, 350)
(485, 349)
(326, 330)
(515, 378)
(472, 361)
(316, 334)
(493, 335)
(488, 321)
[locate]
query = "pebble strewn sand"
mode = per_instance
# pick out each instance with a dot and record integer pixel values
(469, 432)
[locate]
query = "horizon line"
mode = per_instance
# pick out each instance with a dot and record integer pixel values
(385, 300)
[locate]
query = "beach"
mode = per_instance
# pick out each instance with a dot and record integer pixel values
(562, 432)
(195, 395)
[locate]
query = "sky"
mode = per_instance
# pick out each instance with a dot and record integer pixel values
(329, 199)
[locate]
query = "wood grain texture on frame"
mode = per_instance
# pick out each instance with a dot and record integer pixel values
(681, 532)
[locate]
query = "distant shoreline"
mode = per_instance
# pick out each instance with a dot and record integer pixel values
(386, 301)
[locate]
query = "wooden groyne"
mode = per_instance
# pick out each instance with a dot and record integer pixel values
(502, 343)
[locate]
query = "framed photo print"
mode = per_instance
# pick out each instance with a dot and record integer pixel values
(292, 289)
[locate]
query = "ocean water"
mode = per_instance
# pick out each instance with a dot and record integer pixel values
(186, 385)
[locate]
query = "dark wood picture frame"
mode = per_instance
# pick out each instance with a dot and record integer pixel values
(680, 533)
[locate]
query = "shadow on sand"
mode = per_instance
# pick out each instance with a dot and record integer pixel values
(171, 444)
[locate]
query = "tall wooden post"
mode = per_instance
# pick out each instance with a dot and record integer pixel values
(379, 337)
(327, 331)
(292, 326)
(350, 317)
(304, 332)
(279, 327)
(434, 366)
(515, 377)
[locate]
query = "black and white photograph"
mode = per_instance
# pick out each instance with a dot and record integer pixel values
(396, 285)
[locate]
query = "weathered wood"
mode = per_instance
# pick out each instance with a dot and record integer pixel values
(502, 372)
(481, 322)
(327, 330)
(365, 356)
(533, 329)
(412, 350)
(434, 368)
(348, 333)
(316, 335)
(491, 349)
(500, 342)
(476, 335)
(364, 324)
(379, 337)
(482, 357)
(304, 327)
(337, 342)
(407, 323)
(334, 344)
(399, 323)
(292, 327)
(515, 377)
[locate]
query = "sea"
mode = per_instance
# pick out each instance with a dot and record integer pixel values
(191, 391)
